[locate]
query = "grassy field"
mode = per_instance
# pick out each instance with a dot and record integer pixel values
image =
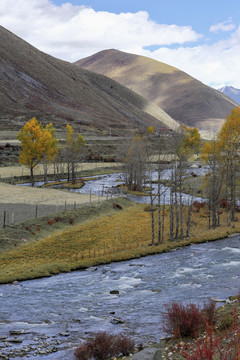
(89, 236)
(20, 171)
(23, 202)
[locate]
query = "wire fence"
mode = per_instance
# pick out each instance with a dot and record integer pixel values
(12, 213)
(104, 250)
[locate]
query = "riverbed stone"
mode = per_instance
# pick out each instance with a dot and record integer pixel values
(117, 321)
(64, 334)
(17, 332)
(148, 354)
(15, 341)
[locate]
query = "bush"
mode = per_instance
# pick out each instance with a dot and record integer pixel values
(216, 346)
(83, 352)
(181, 321)
(210, 312)
(124, 345)
(104, 346)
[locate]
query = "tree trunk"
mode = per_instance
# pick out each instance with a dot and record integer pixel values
(73, 173)
(45, 168)
(152, 216)
(189, 219)
(31, 175)
(159, 208)
(163, 218)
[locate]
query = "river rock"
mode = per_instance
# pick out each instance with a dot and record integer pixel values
(117, 321)
(15, 341)
(114, 292)
(4, 356)
(64, 334)
(91, 269)
(148, 354)
(2, 338)
(17, 332)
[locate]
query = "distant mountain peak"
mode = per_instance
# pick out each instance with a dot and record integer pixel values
(231, 92)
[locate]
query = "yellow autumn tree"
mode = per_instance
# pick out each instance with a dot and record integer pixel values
(212, 156)
(191, 140)
(72, 150)
(36, 143)
(51, 148)
(229, 140)
(150, 130)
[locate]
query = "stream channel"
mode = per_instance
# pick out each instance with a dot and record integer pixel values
(47, 318)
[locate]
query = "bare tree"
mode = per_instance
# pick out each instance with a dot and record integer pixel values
(72, 151)
(135, 159)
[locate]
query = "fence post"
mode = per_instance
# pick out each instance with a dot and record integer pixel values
(90, 198)
(12, 218)
(4, 219)
(36, 212)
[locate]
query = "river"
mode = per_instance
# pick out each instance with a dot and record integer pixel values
(57, 313)
(107, 185)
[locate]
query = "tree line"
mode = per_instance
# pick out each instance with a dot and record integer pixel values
(221, 155)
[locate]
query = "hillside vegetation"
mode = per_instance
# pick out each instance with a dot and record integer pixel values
(181, 96)
(34, 84)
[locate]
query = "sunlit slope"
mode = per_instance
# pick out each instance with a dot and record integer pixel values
(33, 83)
(184, 98)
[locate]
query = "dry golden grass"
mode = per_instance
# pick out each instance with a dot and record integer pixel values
(8, 171)
(114, 236)
(28, 195)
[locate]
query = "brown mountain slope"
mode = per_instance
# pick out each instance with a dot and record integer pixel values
(33, 83)
(184, 98)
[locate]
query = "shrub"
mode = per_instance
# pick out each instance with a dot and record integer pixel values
(58, 218)
(83, 352)
(198, 205)
(104, 346)
(210, 312)
(51, 222)
(225, 322)
(124, 345)
(180, 320)
(216, 346)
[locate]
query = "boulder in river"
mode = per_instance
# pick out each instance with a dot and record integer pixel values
(117, 321)
(148, 354)
(114, 292)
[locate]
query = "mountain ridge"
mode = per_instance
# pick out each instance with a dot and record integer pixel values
(33, 83)
(184, 98)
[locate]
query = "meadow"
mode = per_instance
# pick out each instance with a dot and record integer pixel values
(93, 235)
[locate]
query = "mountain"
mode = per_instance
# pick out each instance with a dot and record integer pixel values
(33, 83)
(184, 98)
(231, 92)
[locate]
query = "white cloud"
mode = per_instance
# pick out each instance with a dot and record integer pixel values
(216, 65)
(223, 26)
(71, 32)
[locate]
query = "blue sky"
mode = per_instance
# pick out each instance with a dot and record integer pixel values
(200, 37)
